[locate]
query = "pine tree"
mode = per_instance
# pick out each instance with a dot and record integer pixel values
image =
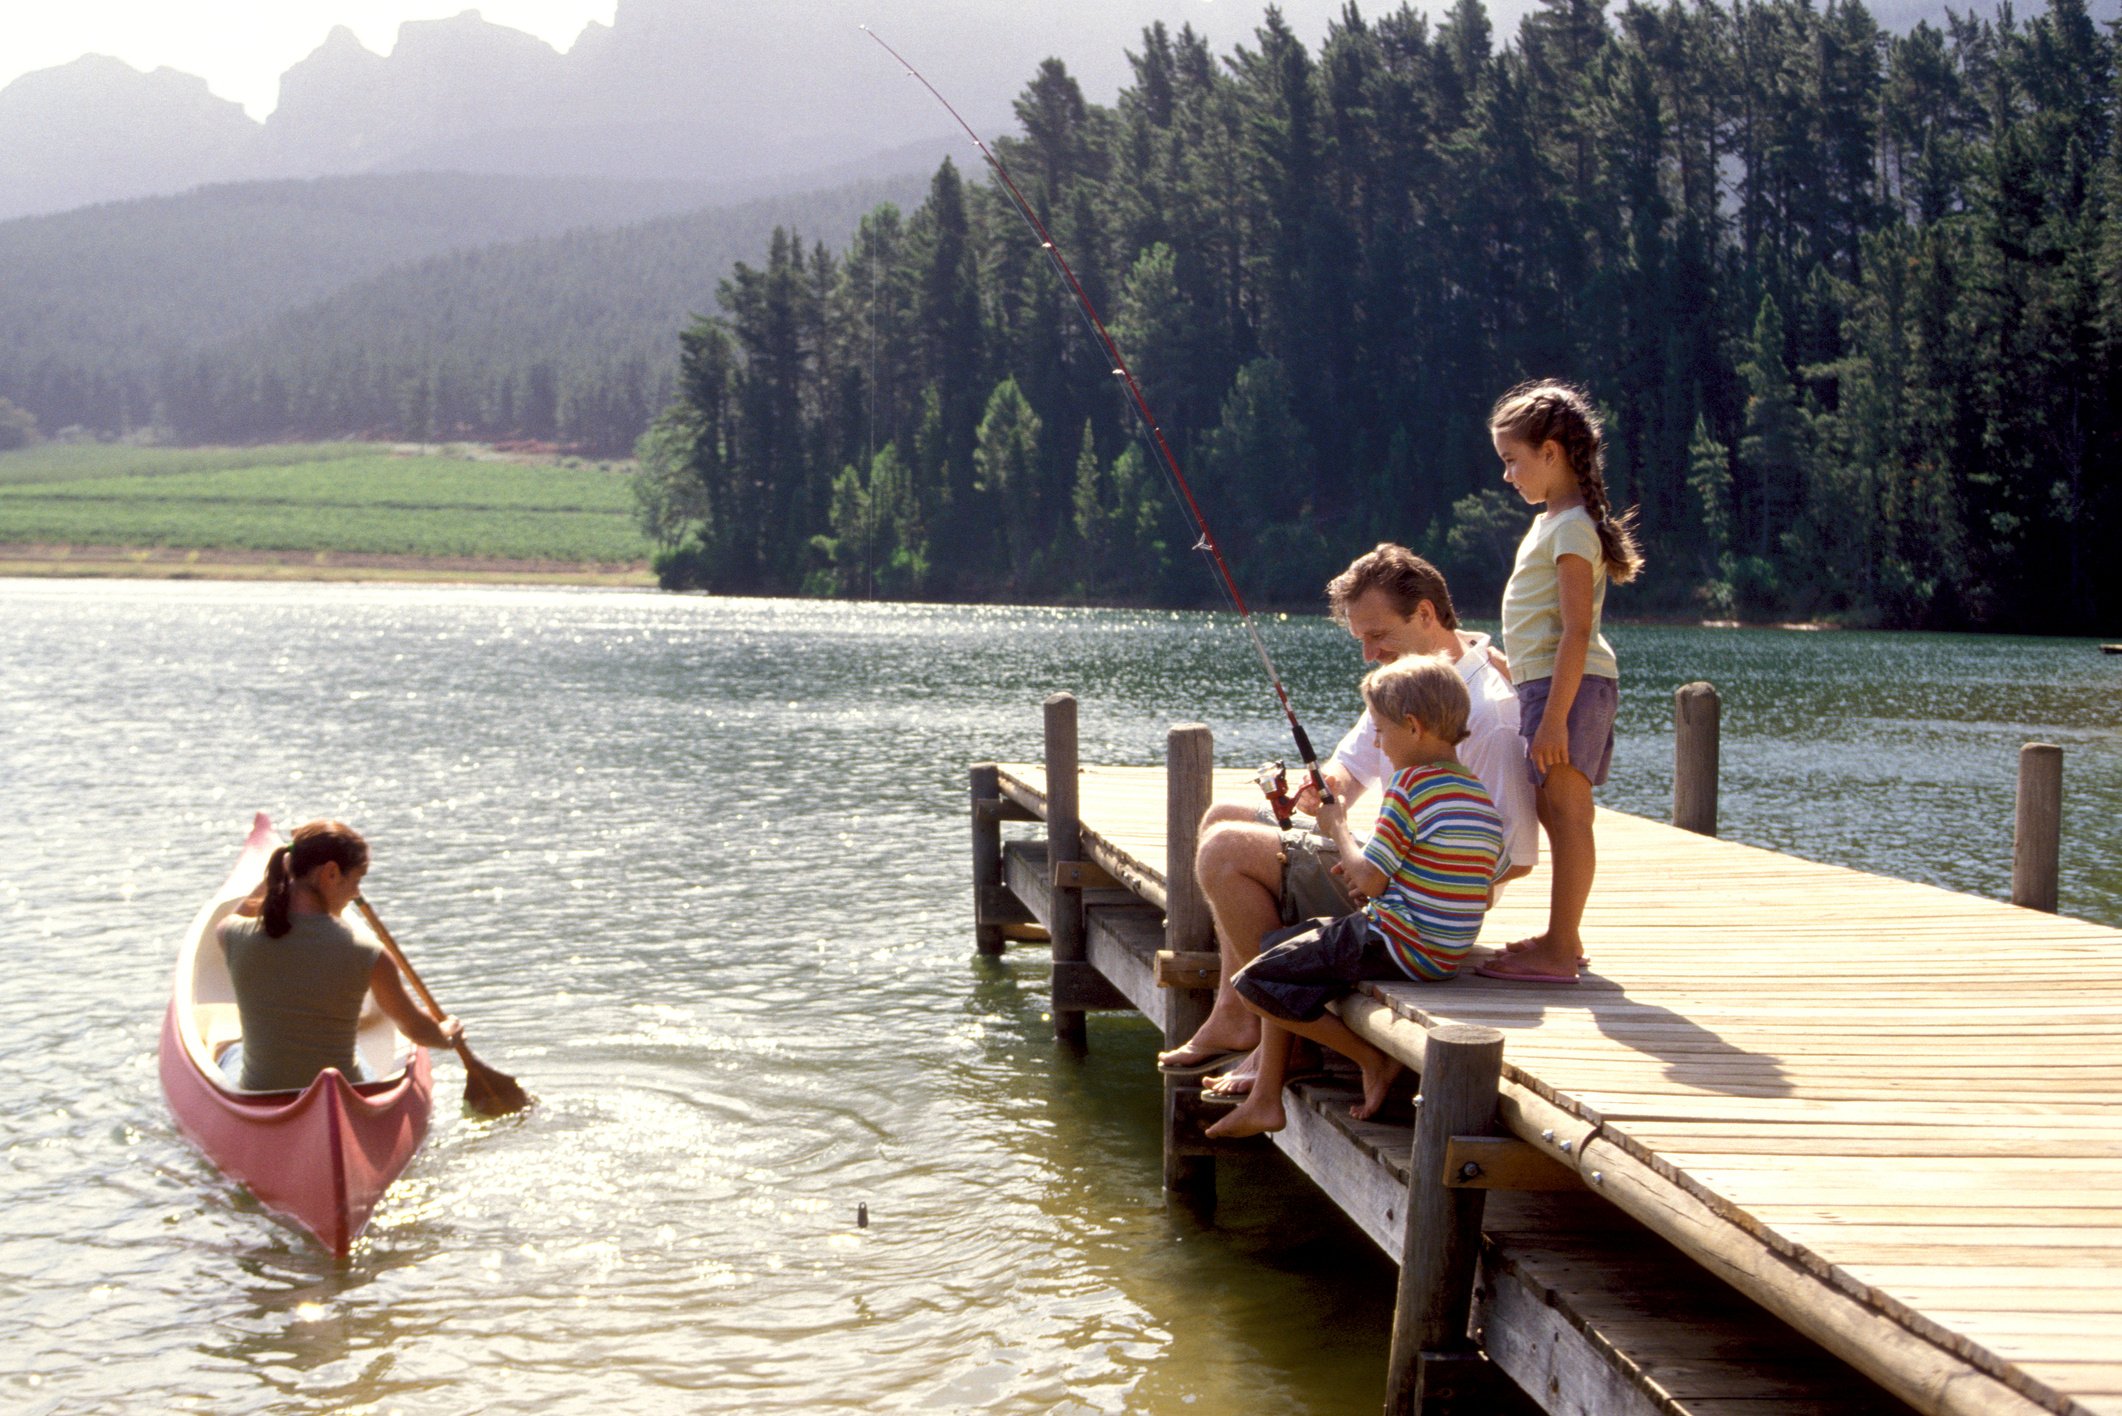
(1006, 467)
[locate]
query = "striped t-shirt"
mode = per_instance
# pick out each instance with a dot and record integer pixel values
(1440, 845)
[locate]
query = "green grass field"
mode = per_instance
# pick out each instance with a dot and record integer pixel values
(332, 497)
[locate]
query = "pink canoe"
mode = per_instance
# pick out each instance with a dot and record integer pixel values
(323, 1156)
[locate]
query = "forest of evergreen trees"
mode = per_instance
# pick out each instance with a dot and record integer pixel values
(1852, 301)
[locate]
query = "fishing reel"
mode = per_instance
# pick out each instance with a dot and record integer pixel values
(1273, 778)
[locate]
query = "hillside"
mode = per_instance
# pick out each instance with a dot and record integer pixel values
(105, 307)
(132, 281)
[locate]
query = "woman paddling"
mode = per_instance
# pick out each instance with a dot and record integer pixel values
(300, 975)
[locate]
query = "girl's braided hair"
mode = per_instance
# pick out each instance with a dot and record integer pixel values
(1547, 410)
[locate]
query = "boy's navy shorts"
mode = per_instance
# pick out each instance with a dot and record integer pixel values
(1303, 968)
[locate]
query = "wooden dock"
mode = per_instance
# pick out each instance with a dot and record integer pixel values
(1799, 1116)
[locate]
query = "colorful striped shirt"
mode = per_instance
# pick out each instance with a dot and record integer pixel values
(1440, 845)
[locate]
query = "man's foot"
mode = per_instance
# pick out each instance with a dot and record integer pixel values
(1539, 941)
(1376, 1083)
(1182, 1065)
(1208, 1048)
(1256, 1116)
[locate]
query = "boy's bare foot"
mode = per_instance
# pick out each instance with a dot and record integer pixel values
(1539, 941)
(1376, 1083)
(1255, 1116)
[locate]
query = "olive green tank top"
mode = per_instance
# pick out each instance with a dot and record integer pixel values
(299, 996)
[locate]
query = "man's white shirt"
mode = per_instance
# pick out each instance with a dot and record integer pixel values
(1493, 750)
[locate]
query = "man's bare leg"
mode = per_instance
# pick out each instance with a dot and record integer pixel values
(1239, 865)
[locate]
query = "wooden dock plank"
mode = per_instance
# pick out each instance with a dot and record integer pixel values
(1911, 1095)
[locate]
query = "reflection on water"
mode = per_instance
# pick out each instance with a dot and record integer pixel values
(695, 870)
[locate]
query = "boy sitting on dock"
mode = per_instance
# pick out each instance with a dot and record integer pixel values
(1429, 872)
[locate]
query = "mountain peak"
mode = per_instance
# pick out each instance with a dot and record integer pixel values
(340, 40)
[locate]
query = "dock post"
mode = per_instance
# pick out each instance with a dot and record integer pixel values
(987, 852)
(2036, 848)
(1436, 1369)
(1064, 842)
(1697, 715)
(1189, 767)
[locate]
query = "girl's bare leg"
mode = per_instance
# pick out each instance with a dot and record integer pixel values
(1565, 802)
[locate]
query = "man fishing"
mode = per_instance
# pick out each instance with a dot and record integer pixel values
(1258, 877)
(1394, 603)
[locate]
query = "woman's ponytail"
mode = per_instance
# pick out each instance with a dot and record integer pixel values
(279, 884)
(313, 845)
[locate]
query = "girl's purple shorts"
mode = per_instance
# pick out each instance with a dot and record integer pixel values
(1591, 724)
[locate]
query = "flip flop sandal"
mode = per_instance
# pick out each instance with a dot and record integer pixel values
(1201, 1068)
(1584, 961)
(1301, 1074)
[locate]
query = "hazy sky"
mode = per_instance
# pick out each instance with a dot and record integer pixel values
(241, 47)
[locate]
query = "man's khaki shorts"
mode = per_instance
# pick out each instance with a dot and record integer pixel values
(1309, 886)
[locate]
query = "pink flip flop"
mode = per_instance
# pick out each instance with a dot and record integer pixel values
(1583, 960)
(1486, 972)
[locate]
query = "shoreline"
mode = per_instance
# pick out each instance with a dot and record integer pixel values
(185, 563)
(38, 561)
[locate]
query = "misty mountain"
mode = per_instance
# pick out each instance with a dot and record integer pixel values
(123, 284)
(98, 130)
(577, 322)
(725, 91)
(349, 290)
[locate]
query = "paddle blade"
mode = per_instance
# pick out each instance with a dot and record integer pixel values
(488, 1092)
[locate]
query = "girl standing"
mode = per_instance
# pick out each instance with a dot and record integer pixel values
(1568, 684)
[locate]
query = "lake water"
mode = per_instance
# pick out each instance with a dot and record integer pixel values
(697, 871)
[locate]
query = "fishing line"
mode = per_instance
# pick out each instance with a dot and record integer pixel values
(1120, 370)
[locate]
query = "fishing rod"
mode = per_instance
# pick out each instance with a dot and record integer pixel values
(1149, 421)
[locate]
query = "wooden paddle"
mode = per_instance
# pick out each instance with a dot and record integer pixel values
(486, 1091)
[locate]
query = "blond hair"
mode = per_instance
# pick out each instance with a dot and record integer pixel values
(1547, 410)
(1422, 687)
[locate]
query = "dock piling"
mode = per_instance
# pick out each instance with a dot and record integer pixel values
(1190, 760)
(987, 852)
(1697, 721)
(1435, 1368)
(2037, 841)
(1064, 842)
